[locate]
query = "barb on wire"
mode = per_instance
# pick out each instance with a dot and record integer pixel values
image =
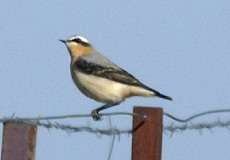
(196, 115)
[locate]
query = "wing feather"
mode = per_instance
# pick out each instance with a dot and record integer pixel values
(118, 75)
(115, 74)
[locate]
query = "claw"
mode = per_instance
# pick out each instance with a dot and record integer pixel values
(95, 115)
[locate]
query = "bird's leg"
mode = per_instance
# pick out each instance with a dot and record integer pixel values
(95, 113)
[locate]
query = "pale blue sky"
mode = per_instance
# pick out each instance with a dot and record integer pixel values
(180, 48)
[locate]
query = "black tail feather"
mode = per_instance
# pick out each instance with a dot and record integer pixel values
(158, 94)
(163, 96)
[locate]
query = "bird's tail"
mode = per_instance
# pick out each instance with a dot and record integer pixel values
(158, 94)
(163, 96)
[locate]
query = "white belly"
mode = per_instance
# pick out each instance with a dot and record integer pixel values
(100, 89)
(105, 90)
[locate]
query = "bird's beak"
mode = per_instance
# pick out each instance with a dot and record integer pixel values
(63, 41)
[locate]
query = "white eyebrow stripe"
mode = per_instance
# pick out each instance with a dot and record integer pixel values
(80, 37)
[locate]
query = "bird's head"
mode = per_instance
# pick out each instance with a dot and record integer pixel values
(77, 46)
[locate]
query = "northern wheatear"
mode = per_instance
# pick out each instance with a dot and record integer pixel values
(100, 79)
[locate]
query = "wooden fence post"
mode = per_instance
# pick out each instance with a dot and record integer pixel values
(19, 140)
(147, 136)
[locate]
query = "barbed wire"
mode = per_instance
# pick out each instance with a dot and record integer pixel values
(197, 126)
(184, 124)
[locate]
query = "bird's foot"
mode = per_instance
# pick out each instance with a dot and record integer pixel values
(95, 115)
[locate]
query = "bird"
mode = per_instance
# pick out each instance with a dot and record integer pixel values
(100, 79)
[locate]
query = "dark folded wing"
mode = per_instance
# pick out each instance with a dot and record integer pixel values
(120, 75)
(115, 74)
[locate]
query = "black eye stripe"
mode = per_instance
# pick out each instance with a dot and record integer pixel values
(78, 40)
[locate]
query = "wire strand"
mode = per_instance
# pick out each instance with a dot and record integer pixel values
(196, 115)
